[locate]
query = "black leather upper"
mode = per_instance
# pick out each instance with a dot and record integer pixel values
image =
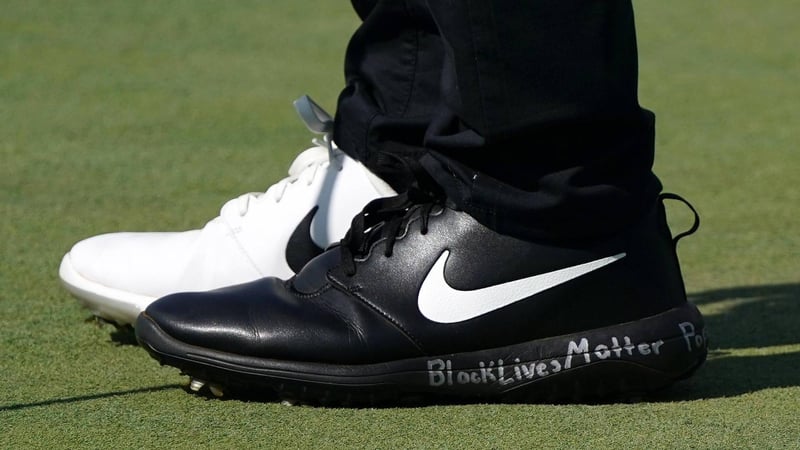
(324, 314)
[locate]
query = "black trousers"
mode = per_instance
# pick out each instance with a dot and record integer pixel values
(525, 112)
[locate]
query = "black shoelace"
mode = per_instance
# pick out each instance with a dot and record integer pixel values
(386, 218)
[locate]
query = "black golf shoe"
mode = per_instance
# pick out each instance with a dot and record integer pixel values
(420, 300)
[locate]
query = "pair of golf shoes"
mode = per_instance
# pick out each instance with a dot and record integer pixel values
(331, 288)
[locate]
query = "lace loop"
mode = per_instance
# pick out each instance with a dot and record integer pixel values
(695, 225)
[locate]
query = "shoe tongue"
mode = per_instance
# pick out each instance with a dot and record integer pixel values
(312, 277)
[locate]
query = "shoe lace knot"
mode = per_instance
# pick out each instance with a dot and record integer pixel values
(387, 218)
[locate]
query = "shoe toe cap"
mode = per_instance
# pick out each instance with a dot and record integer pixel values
(142, 263)
(220, 319)
(257, 319)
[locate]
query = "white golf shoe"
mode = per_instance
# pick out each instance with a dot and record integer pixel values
(274, 233)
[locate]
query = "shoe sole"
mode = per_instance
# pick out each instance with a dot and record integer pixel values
(109, 304)
(624, 362)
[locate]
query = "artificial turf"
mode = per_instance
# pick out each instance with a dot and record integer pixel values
(148, 115)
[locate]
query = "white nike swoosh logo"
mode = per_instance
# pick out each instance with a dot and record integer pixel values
(440, 302)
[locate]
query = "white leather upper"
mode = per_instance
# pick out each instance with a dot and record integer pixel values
(247, 241)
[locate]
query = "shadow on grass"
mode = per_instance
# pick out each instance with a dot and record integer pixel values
(756, 330)
(83, 398)
(124, 336)
(120, 335)
(752, 316)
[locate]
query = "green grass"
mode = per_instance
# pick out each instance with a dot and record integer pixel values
(147, 115)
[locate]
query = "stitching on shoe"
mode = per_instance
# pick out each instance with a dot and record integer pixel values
(311, 295)
(385, 315)
(408, 335)
(323, 305)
